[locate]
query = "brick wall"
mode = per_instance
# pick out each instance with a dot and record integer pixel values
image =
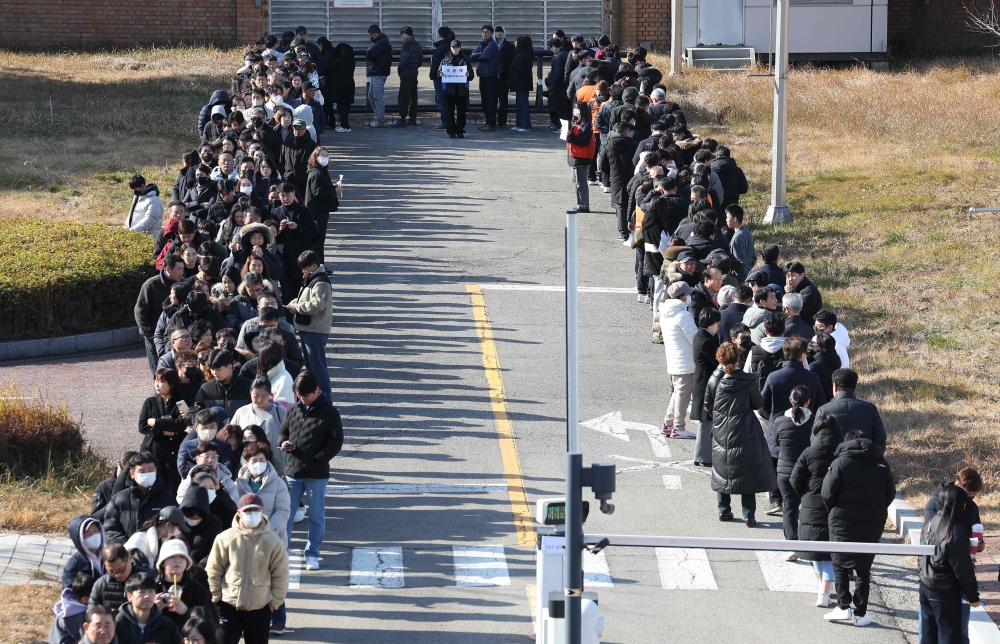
(637, 21)
(95, 23)
(915, 26)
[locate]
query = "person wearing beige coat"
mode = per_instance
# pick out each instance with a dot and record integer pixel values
(248, 573)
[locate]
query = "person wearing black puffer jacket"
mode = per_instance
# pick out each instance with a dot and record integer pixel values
(411, 57)
(141, 499)
(948, 575)
(807, 481)
(823, 360)
(340, 84)
(734, 181)
(379, 64)
(788, 437)
(741, 463)
(615, 159)
(857, 492)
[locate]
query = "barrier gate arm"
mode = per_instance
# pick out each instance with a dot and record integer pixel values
(714, 543)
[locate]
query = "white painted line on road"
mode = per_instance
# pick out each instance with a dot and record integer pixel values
(786, 576)
(480, 566)
(685, 569)
(982, 630)
(417, 488)
(672, 482)
(380, 567)
(595, 570)
(296, 563)
(553, 289)
(659, 443)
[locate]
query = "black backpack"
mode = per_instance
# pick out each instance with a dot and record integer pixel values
(768, 365)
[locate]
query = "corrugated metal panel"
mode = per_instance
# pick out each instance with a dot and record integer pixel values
(466, 18)
(415, 13)
(522, 18)
(584, 17)
(351, 26)
(286, 15)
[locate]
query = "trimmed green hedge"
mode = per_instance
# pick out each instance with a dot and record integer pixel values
(63, 278)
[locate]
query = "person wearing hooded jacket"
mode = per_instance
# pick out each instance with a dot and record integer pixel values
(87, 535)
(146, 214)
(741, 463)
(789, 436)
(807, 480)
(252, 245)
(219, 97)
(141, 499)
(857, 491)
(204, 525)
(175, 577)
(947, 576)
(71, 610)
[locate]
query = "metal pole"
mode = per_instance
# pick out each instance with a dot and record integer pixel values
(573, 574)
(781, 545)
(676, 36)
(777, 212)
(975, 210)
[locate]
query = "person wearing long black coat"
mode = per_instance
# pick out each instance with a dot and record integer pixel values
(788, 437)
(615, 159)
(321, 196)
(340, 84)
(555, 84)
(807, 481)
(741, 463)
(857, 492)
(705, 346)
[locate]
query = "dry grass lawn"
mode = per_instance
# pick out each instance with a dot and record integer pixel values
(27, 612)
(882, 170)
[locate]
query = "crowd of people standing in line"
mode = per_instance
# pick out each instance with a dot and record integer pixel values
(188, 539)
(750, 348)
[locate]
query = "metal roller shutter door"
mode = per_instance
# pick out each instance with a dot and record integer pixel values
(415, 13)
(286, 15)
(351, 26)
(584, 17)
(466, 18)
(522, 18)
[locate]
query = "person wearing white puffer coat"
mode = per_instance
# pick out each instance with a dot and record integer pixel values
(678, 329)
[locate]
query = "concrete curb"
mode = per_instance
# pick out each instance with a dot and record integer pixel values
(908, 523)
(69, 344)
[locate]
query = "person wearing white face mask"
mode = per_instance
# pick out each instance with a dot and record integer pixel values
(144, 545)
(321, 195)
(207, 460)
(87, 536)
(259, 477)
(248, 573)
(141, 500)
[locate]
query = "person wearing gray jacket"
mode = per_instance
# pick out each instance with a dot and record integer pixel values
(411, 57)
(312, 311)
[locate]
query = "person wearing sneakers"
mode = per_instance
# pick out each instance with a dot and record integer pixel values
(857, 491)
(741, 463)
(248, 573)
(807, 480)
(379, 64)
(679, 330)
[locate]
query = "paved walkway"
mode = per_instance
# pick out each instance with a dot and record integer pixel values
(32, 558)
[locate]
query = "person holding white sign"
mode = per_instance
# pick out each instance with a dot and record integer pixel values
(455, 73)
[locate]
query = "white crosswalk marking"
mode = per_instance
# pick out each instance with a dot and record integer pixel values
(380, 567)
(786, 576)
(672, 482)
(296, 562)
(480, 566)
(595, 570)
(685, 569)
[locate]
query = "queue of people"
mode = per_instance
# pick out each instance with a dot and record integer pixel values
(753, 356)
(188, 538)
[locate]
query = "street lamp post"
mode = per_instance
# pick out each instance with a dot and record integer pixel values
(778, 212)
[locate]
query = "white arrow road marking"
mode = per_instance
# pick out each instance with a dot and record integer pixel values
(296, 563)
(613, 425)
(595, 570)
(642, 464)
(685, 569)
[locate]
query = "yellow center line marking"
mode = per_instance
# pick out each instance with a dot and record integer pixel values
(523, 523)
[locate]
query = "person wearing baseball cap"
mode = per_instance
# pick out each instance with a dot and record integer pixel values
(248, 573)
(678, 329)
(144, 545)
(293, 157)
(301, 33)
(177, 590)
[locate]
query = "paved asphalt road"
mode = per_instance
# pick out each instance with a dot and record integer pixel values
(423, 217)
